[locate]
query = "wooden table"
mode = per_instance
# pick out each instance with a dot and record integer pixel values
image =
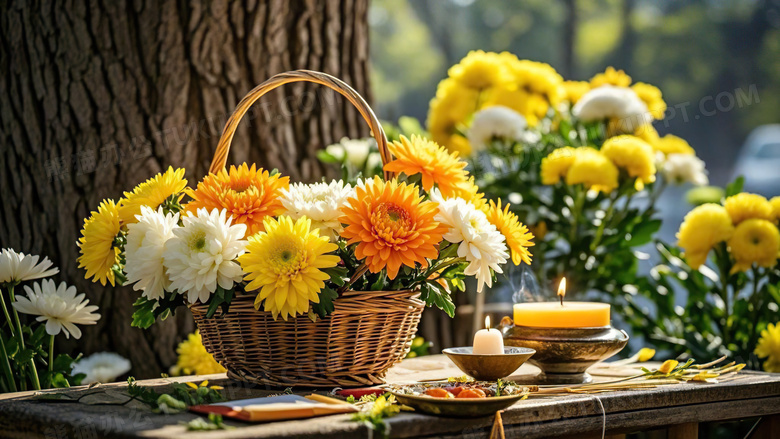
(678, 408)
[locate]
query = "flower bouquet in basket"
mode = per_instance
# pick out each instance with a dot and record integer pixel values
(304, 284)
(580, 161)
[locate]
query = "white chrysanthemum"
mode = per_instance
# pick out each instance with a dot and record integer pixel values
(58, 306)
(610, 102)
(355, 150)
(483, 246)
(19, 267)
(495, 123)
(101, 367)
(320, 202)
(685, 168)
(144, 251)
(202, 254)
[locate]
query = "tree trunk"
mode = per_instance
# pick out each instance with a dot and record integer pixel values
(99, 97)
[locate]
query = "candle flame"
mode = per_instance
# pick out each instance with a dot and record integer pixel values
(487, 323)
(562, 289)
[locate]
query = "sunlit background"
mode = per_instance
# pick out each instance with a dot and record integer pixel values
(717, 63)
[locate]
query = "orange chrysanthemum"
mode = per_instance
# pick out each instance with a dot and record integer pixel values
(434, 163)
(518, 238)
(392, 226)
(248, 194)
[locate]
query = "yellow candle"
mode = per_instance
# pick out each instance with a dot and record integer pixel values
(563, 314)
(570, 315)
(488, 341)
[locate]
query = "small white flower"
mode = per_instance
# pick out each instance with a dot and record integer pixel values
(374, 161)
(59, 307)
(202, 254)
(320, 202)
(496, 123)
(610, 102)
(355, 150)
(483, 246)
(144, 251)
(685, 168)
(102, 367)
(19, 267)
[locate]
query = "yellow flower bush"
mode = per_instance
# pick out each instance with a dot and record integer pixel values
(632, 154)
(746, 206)
(152, 193)
(703, 228)
(769, 347)
(194, 359)
(485, 79)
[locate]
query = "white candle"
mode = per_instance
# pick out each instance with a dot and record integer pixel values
(488, 341)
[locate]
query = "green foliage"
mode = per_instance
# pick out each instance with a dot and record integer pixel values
(147, 311)
(214, 422)
(723, 313)
(420, 347)
(181, 396)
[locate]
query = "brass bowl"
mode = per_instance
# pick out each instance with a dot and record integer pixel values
(565, 354)
(463, 407)
(489, 367)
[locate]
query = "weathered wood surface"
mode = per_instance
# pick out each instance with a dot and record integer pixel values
(749, 395)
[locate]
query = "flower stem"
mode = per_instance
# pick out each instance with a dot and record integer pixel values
(9, 376)
(607, 217)
(20, 338)
(5, 311)
(51, 355)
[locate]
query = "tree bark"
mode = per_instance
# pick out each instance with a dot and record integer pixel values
(99, 96)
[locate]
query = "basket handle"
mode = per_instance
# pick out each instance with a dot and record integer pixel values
(220, 156)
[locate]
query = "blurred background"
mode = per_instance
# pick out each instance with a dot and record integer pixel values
(717, 63)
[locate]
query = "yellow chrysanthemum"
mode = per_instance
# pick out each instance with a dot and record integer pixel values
(611, 77)
(518, 238)
(632, 154)
(392, 226)
(755, 241)
(702, 228)
(152, 193)
(96, 244)
(479, 70)
(469, 191)
(652, 97)
(285, 263)
(775, 203)
(537, 77)
(434, 164)
(575, 90)
(745, 206)
(671, 144)
(452, 106)
(194, 359)
(592, 169)
(249, 195)
(649, 134)
(557, 164)
(769, 347)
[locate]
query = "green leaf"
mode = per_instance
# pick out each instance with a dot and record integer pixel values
(735, 186)
(643, 233)
(143, 314)
(380, 282)
(326, 157)
(325, 307)
(58, 380)
(24, 356)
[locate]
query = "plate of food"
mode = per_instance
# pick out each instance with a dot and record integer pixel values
(470, 399)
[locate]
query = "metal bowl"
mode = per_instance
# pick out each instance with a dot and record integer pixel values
(489, 367)
(463, 407)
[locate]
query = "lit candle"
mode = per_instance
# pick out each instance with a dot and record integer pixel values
(488, 341)
(562, 315)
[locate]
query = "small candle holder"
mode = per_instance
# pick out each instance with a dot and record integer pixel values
(488, 367)
(564, 354)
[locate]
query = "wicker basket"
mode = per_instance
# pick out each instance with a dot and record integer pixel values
(368, 332)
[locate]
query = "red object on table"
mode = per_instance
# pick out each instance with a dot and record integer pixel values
(357, 393)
